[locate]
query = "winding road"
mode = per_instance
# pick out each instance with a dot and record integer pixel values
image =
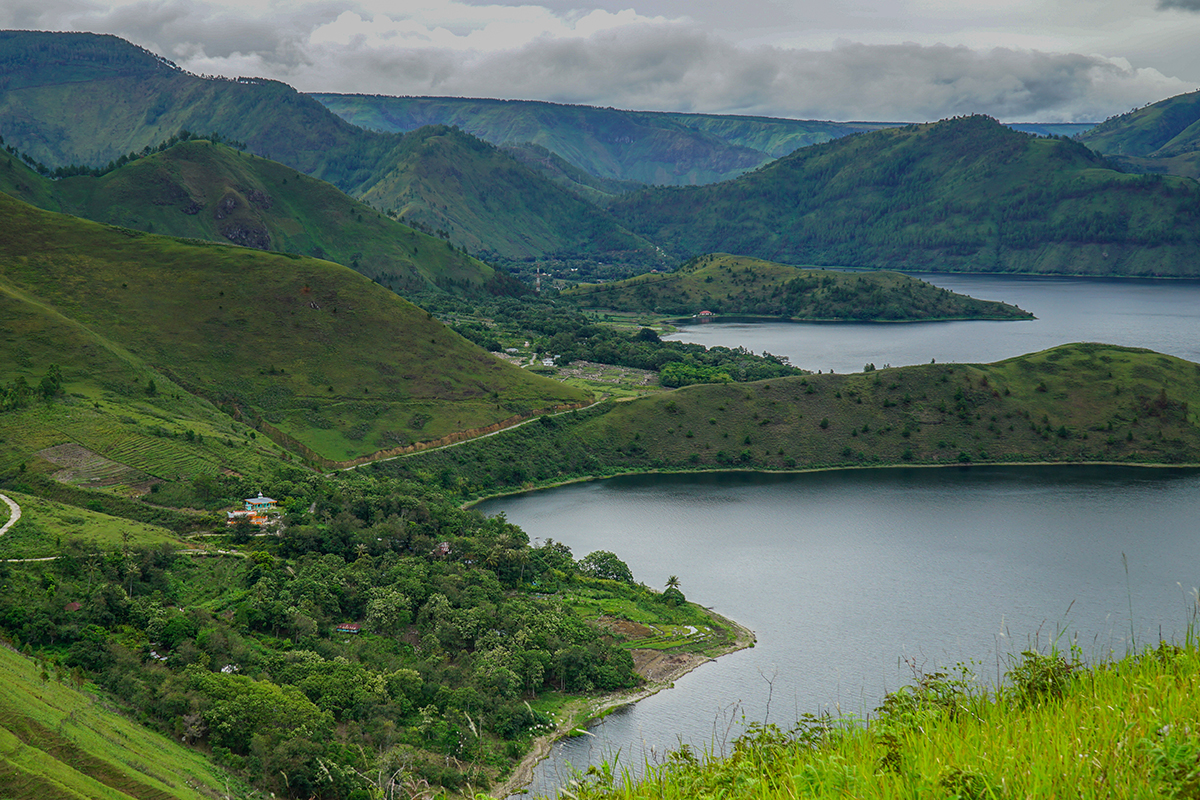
(16, 514)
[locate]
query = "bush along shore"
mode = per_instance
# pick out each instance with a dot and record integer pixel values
(1079, 403)
(1055, 727)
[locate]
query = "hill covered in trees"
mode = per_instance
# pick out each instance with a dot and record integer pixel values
(965, 195)
(725, 284)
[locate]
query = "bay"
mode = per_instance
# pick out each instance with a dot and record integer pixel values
(1162, 315)
(855, 581)
(852, 580)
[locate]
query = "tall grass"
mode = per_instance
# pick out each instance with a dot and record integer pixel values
(1054, 728)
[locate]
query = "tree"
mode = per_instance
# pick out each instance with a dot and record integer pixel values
(606, 565)
(673, 582)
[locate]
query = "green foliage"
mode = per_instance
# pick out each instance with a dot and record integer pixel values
(1117, 729)
(964, 194)
(725, 284)
(605, 565)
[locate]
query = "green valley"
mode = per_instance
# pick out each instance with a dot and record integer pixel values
(723, 284)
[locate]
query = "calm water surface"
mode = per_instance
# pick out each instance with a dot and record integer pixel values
(1160, 315)
(849, 578)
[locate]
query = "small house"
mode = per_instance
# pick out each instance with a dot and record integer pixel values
(261, 505)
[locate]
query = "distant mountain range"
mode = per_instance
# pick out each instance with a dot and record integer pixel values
(959, 195)
(964, 195)
(76, 98)
(649, 147)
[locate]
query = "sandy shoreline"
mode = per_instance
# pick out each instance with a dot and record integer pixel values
(660, 671)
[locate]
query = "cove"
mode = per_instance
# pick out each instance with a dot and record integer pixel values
(1162, 315)
(851, 578)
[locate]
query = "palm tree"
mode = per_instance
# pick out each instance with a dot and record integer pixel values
(673, 582)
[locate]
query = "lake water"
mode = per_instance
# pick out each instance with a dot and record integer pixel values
(851, 579)
(1160, 315)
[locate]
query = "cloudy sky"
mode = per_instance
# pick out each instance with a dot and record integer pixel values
(896, 60)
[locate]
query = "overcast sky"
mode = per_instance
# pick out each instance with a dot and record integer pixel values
(895, 60)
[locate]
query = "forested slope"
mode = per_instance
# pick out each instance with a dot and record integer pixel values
(964, 195)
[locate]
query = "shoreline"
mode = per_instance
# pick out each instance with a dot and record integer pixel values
(469, 504)
(589, 709)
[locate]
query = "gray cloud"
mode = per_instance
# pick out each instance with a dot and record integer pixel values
(666, 66)
(1183, 5)
(682, 68)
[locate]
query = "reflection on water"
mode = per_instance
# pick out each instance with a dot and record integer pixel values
(852, 578)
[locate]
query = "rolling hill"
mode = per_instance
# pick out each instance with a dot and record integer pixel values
(1160, 137)
(198, 189)
(74, 98)
(964, 195)
(1070, 404)
(309, 352)
(725, 284)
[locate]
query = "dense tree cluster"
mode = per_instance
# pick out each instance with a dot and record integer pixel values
(461, 619)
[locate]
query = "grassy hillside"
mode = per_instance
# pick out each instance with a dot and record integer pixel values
(202, 190)
(965, 194)
(88, 99)
(726, 284)
(1160, 137)
(305, 347)
(61, 742)
(1059, 728)
(488, 201)
(1075, 403)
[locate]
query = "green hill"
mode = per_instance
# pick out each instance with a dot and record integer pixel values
(68, 98)
(1160, 137)
(963, 195)
(1074, 403)
(725, 284)
(198, 189)
(325, 360)
(59, 742)
(445, 179)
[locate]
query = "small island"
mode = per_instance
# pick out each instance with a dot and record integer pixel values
(725, 284)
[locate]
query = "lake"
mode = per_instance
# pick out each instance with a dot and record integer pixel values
(849, 577)
(852, 579)
(1161, 315)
